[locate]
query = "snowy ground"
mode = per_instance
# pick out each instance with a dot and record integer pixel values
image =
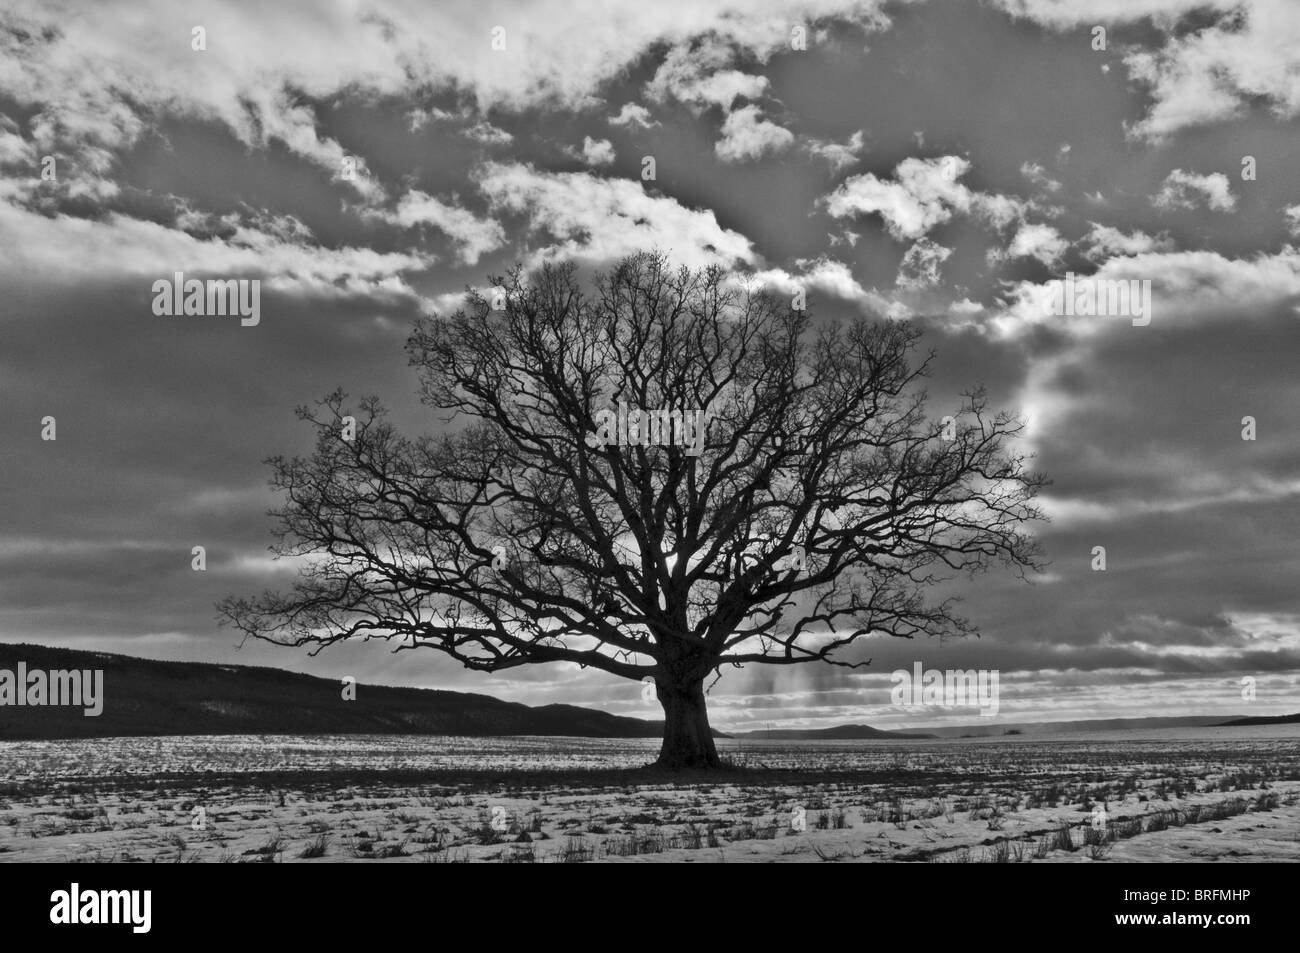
(1166, 795)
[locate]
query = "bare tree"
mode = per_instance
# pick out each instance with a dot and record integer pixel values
(571, 512)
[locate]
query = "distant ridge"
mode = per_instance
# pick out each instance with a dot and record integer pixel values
(147, 697)
(1091, 724)
(838, 733)
(1264, 720)
(1023, 729)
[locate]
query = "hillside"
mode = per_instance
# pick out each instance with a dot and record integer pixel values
(838, 733)
(145, 697)
(1293, 719)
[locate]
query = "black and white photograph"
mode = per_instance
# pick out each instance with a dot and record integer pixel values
(682, 432)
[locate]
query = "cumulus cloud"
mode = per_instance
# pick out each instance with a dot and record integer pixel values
(1188, 190)
(924, 193)
(1105, 241)
(1211, 74)
(920, 265)
(597, 219)
(472, 126)
(473, 236)
(488, 134)
(596, 152)
(840, 155)
(1061, 14)
(1041, 242)
(1187, 287)
(1202, 74)
(65, 247)
(1036, 174)
(700, 74)
(14, 149)
(847, 237)
(1292, 213)
(96, 76)
(822, 274)
(747, 135)
(633, 115)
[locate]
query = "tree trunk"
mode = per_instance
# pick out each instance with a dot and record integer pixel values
(688, 740)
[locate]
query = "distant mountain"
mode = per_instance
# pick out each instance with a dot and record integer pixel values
(1000, 729)
(1263, 720)
(145, 697)
(838, 733)
(1095, 724)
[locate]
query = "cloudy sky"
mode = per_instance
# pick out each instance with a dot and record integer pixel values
(940, 160)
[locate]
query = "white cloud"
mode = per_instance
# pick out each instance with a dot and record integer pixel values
(1036, 174)
(747, 135)
(840, 155)
(965, 307)
(205, 225)
(924, 193)
(1063, 14)
(267, 114)
(920, 265)
(1041, 242)
(698, 75)
(1292, 213)
(65, 248)
(722, 88)
(1187, 287)
(1252, 52)
(1187, 190)
(1003, 210)
(1205, 74)
(596, 152)
(1105, 241)
(417, 118)
(633, 115)
(473, 127)
(96, 76)
(825, 274)
(473, 236)
(14, 149)
(598, 219)
(488, 134)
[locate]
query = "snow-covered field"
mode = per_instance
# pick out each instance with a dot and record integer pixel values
(1170, 794)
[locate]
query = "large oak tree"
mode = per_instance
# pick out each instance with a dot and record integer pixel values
(820, 504)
